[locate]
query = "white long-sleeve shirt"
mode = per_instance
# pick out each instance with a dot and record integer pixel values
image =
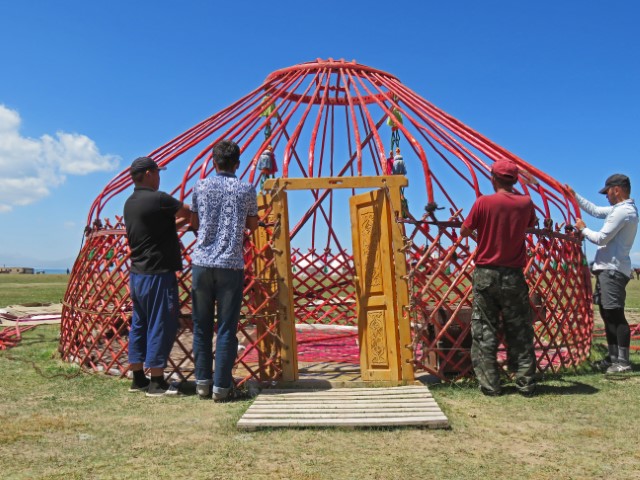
(616, 236)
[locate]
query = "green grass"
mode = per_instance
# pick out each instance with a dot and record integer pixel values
(19, 288)
(57, 422)
(633, 294)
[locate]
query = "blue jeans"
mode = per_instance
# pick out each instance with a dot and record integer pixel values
(154, 322)
(216, 289)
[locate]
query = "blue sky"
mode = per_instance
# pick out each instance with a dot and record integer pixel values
(88, 86)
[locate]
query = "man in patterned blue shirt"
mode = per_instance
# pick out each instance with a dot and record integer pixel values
(223, 208)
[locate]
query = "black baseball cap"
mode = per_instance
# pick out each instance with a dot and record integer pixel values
(142, 164)
(616, 180)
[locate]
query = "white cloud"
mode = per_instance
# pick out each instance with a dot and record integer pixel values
(635, 258)
(30, 168)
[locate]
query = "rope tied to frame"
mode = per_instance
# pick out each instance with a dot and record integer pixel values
(411, 310)
(277, 188)
(268, 109)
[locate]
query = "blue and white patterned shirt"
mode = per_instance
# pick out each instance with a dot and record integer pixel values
(223, 204)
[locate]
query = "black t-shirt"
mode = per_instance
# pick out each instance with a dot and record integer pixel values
(150, 218)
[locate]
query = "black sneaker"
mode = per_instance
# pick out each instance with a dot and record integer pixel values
(603, 365)
(139, 386)
(490, 393)
(162, 389)
(526, 389)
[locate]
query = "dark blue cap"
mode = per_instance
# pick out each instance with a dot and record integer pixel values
(142, 164)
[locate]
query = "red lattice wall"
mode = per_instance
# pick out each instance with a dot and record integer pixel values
(326, 119)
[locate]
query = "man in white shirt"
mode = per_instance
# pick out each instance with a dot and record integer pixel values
(612, 264)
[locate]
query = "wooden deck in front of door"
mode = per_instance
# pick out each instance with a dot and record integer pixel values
(344, 407)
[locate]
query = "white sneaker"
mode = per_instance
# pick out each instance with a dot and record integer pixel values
(619, 368)
(220, 393)
(203, 391)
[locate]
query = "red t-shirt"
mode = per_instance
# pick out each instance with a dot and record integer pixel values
(501, 220)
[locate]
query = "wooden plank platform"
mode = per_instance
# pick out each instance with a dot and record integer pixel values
(344, 407)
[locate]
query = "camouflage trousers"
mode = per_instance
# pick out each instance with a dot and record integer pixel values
(501, 305)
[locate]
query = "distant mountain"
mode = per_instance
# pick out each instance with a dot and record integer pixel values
(17, 260)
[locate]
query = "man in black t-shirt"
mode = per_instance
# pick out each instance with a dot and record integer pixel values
(150, 220)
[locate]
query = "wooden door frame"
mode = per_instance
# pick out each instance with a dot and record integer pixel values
(276, 188)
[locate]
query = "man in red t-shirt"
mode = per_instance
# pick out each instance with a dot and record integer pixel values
(500, 292)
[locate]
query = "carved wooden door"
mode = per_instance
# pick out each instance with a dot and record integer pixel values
(375, 283)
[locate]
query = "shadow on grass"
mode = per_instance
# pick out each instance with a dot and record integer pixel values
(570, 387)
(553, 384)
(188, 388)
(36, 339)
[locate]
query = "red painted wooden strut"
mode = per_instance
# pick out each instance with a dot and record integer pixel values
(11, 336)
(331, 118)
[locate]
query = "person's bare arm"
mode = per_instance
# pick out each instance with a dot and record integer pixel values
(570, 190)
(465, 231)
(183, 216)
(251, 223)
(195, 221)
